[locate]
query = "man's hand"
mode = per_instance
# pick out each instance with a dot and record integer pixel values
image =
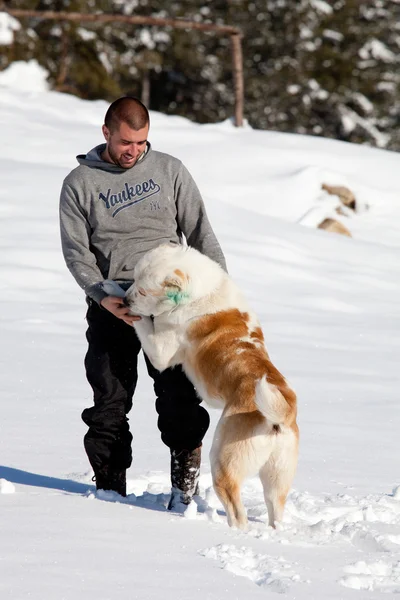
(118, 308)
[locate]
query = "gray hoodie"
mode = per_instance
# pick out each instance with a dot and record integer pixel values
(111, 216)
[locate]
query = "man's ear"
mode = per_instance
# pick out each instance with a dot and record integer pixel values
(106, 132)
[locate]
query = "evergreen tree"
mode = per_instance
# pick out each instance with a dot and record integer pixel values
(69, 51)
(310, 66)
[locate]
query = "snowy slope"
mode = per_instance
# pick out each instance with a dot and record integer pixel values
(329, 308)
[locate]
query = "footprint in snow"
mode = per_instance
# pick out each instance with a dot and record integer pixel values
(380, 576)
(275, 574)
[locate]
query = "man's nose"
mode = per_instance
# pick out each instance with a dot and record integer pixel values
(135, 149)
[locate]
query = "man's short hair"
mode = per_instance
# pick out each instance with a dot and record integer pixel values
(127, 109)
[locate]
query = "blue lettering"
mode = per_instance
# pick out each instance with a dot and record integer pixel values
(131, 194)
(105, 198)
(129, 191)
(121, 197)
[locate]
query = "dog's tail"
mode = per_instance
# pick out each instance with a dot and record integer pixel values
(277, 405)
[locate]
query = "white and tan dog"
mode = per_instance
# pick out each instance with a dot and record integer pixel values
(202, 321)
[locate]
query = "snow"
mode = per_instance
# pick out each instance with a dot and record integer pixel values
(350, 120)
(329, 309)
(333, 35)
(293, 89)
(6, 487)
(86, 34)
(321, 6)
(29, 76)
(364, 103)
(7, 27)
(105, 61)
(146, 38)
(376, 49)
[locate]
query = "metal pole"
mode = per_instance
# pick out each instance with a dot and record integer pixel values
(237, 63)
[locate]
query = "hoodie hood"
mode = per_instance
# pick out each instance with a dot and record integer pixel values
(93, 159)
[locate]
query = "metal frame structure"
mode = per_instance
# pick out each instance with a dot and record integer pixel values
(233, 32)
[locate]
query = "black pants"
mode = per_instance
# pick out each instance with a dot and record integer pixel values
(111, 369)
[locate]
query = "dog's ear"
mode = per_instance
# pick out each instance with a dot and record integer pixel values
(174, 286)
(177, 279)
(171, 283)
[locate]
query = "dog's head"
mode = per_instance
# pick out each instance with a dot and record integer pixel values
(160, 285)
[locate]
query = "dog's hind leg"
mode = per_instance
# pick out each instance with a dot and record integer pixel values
(228, 470)
(277, 474)
(227, 488)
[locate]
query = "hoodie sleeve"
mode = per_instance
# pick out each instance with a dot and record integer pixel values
(192, 218)
(75, 242)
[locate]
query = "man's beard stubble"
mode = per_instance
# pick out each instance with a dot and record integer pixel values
(115, 159)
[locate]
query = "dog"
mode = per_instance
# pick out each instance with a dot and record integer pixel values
(193, 314)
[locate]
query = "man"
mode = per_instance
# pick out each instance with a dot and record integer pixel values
(124, 199)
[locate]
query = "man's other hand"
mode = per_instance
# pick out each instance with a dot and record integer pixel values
(118, 308)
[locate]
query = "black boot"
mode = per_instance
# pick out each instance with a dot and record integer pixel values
(185, 471)
(112, 480)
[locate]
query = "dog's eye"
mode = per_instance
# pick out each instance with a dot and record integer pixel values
(142, 292)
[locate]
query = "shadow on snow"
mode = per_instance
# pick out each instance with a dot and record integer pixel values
(43, 481)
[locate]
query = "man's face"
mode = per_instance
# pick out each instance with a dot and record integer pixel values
(125, 145)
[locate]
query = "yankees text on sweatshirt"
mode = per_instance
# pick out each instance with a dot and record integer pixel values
(111, 216)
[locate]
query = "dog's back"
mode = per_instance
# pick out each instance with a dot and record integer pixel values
(227, 356)
(227, 360)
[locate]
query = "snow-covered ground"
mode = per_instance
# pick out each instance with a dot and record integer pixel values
(330, 311)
